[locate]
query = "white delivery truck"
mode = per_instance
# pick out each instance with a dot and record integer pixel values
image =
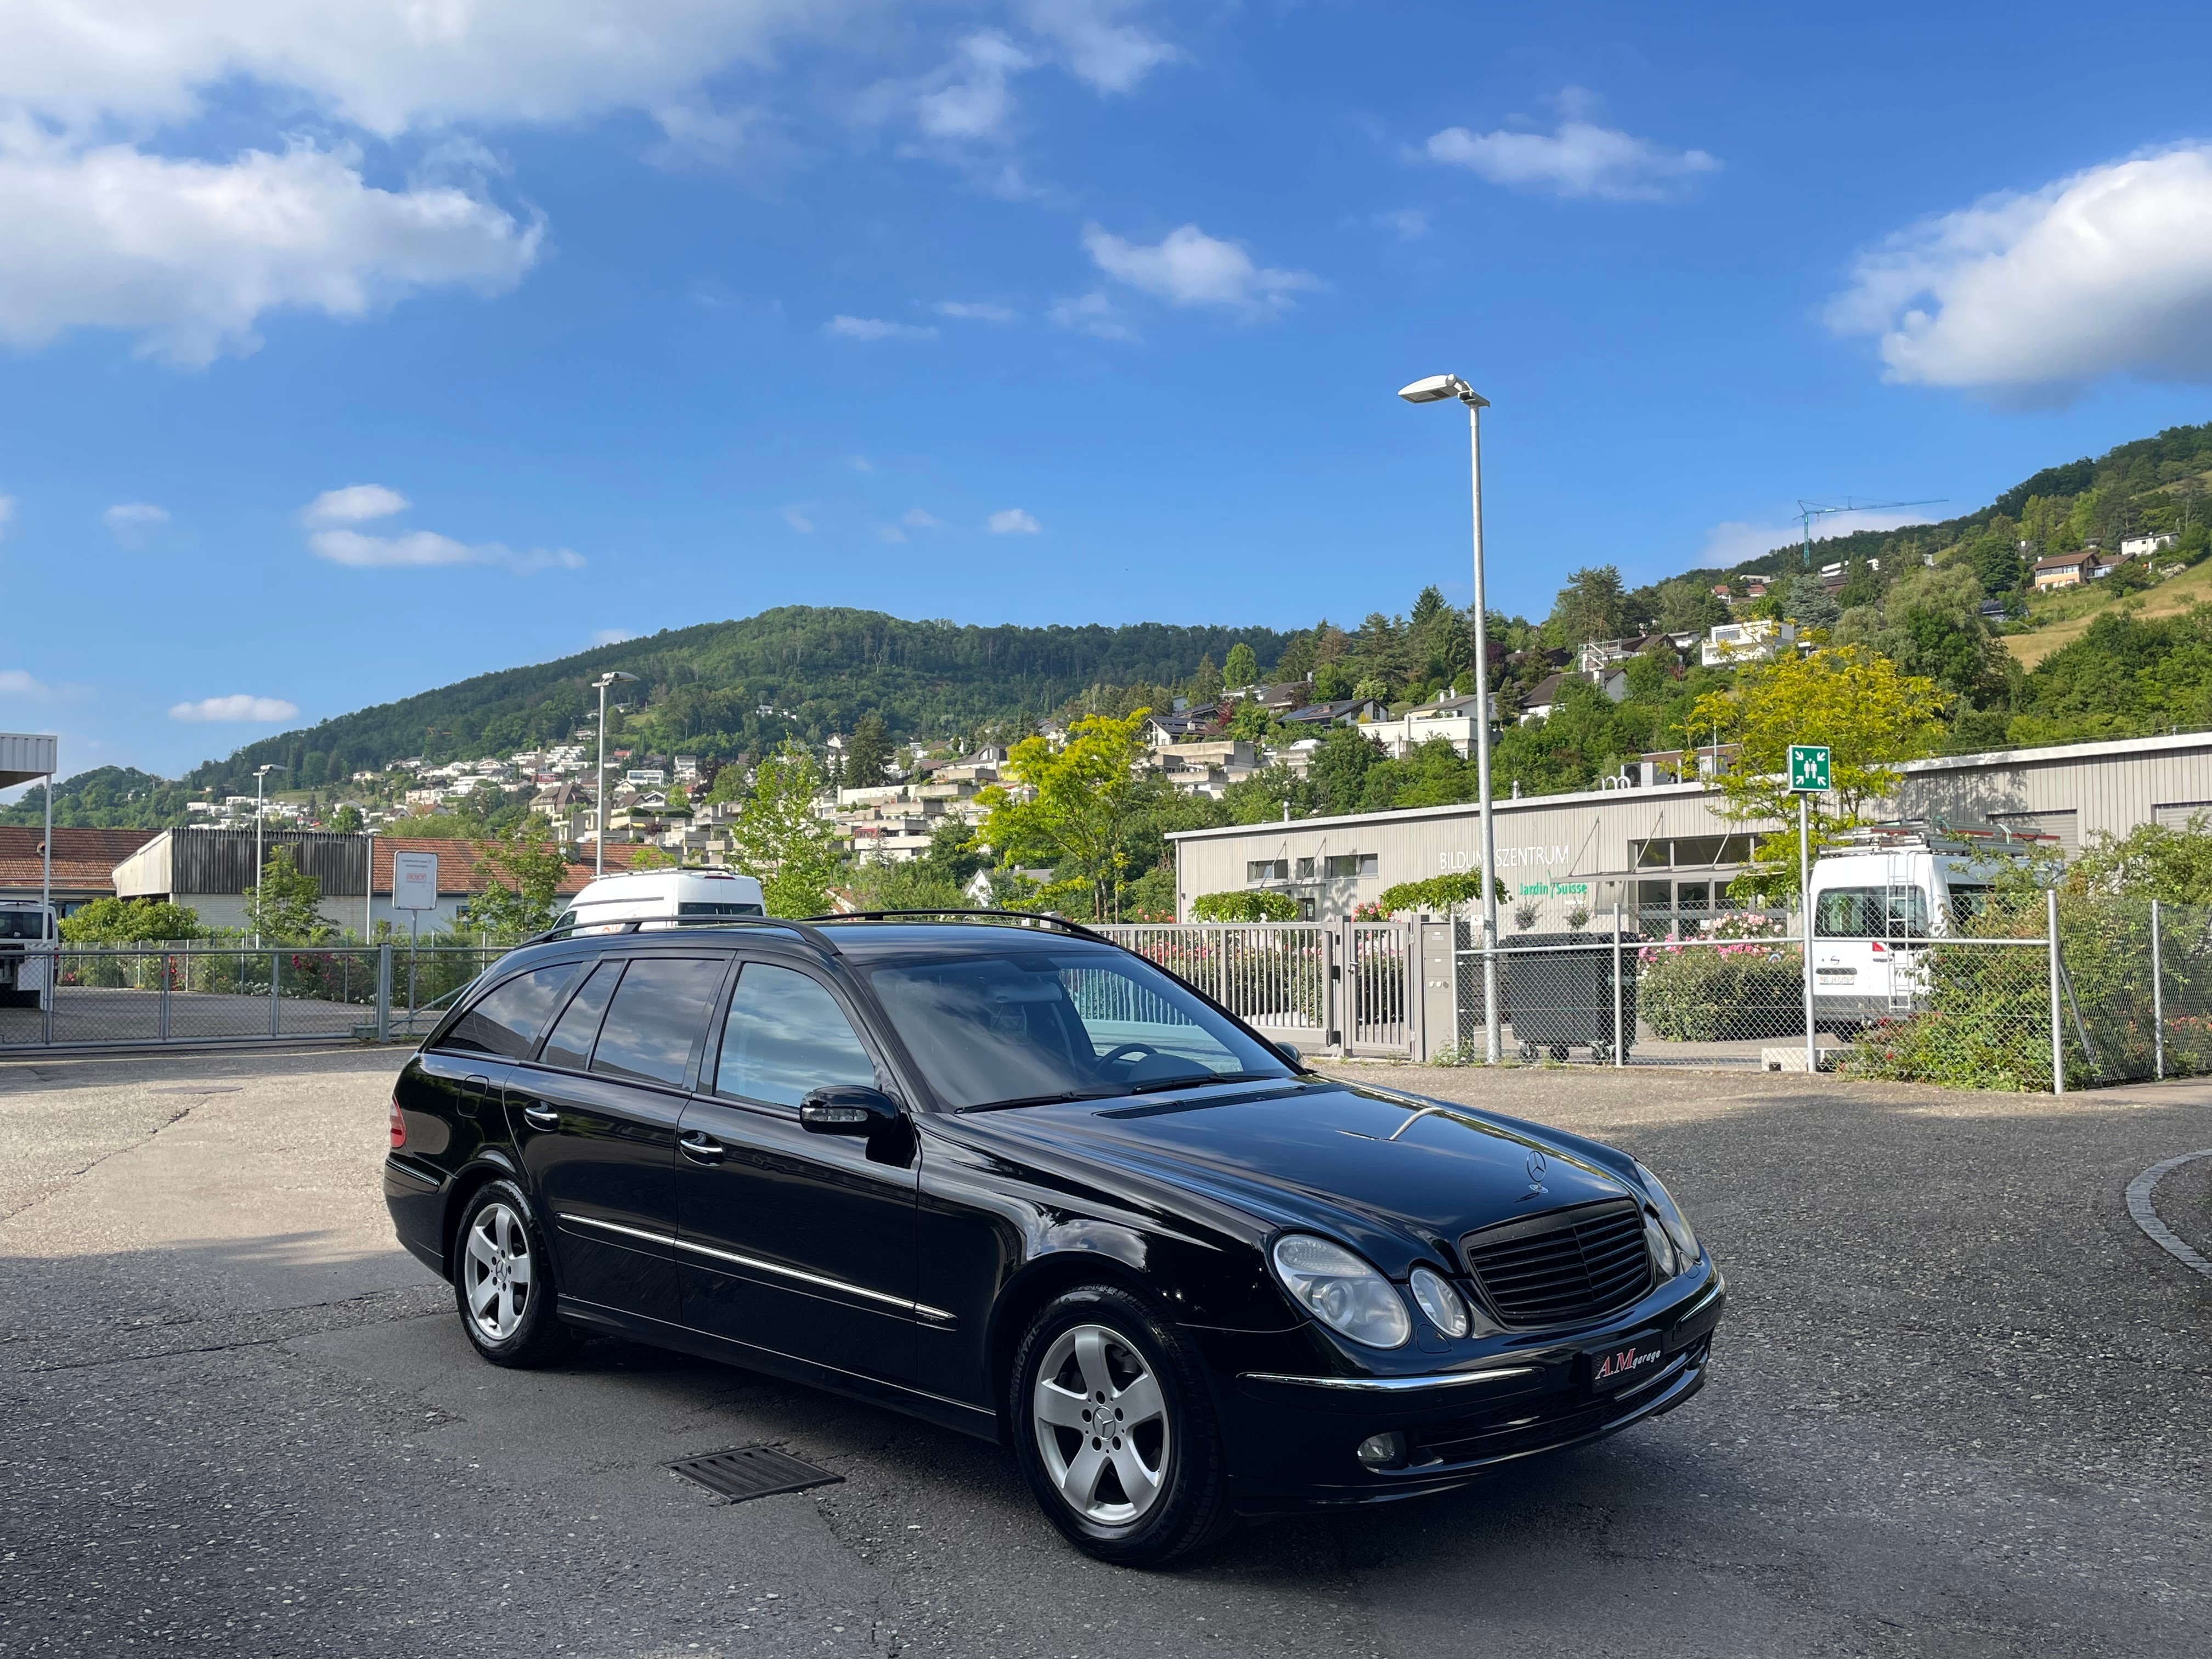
(1882, 896)
(650, 895)
(27, 935)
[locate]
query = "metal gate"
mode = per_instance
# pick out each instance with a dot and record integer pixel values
(1350, 987)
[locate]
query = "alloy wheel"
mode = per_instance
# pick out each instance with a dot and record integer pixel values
(496, 1271)
(1102, 1425)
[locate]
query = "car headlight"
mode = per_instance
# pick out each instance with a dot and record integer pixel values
(1434, 1296)
(1341, 1290)
(1670, 1217)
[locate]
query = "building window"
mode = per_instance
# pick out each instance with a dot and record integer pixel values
(1267, 870)
(1340, 865)
(1305, 869)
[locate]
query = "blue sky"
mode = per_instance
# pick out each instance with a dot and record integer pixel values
(351, 349)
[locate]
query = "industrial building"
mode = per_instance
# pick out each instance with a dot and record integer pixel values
(1665, 852)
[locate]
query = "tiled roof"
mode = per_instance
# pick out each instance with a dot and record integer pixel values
(83, 859)
(458, 872)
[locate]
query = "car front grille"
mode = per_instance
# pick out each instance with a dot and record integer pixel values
(1556, 1269)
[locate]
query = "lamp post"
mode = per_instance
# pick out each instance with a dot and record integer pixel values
(612, 676)
(259, 773)
(1436, 389)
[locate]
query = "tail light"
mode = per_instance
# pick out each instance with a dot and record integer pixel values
(399, 1123)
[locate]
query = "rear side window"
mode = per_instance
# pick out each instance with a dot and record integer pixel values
(657, 1018)
(690, 908)
(578, 1027)
(1871, 913)
(785, 1035)
(507, 1023)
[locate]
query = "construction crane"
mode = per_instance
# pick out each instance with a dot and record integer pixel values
(1810, 511)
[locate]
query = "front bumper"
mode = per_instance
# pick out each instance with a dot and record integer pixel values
(1292, 1428)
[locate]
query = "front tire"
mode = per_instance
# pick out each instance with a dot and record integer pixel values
(502, 1284)
(1116, 1430)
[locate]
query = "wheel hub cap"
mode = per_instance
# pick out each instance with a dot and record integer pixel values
(1102, 1426)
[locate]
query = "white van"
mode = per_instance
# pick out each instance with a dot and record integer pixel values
(1880, 899)
(24, 925)
(650, 895)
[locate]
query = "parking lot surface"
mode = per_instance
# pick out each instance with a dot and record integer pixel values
(1960, 1407)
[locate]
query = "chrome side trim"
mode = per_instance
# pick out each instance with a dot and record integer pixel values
(1391, 1384)
(919, 1309)
(413, 1174)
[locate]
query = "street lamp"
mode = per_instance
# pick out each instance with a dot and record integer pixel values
(612, 676)
(259, 773)
(1435, 390)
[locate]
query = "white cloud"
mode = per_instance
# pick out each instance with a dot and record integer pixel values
(1408, 224)
(1013, 522)
(1578, 158)
(612, 635)
(1093, 313)
(355, 504)
(190, 255)
(1110, 54)
(797, 518)
(16, 683)
(970, 98)
(418, 548)
(875, 328)
(7, 514)
(1733, 541)
(2036, 295)
(1189, 268)
(890, 533)
(238, 707)
(133, 523)
(916, 518)
(979, 311)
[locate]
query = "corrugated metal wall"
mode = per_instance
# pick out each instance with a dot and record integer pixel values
(221, 860)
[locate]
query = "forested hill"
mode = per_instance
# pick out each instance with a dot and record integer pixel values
(816, 669)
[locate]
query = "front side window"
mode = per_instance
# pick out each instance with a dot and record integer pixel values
(657, 1018)
(785, 1035)
(507, 1023)
(1035, 1025)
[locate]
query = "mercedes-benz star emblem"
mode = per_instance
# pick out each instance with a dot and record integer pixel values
(1537, 1165)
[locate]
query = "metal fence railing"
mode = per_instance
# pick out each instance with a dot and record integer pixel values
(75, 996)
(1349, 985)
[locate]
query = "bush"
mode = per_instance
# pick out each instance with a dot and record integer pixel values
(1744, 985)
(1244, 905)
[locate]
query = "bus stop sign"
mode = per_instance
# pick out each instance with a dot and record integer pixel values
(1808, 767)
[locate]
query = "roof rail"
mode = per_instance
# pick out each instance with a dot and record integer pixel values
(1062, 922)
(804, 929)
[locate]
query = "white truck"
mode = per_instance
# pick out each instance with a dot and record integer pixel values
(649, 895)
(1883, 896)
(27, 935)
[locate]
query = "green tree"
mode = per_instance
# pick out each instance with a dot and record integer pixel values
(129, 921)
(1071, 808)
(1928, 622)
(1243, 667)
(1687, 606)
(2151, 861)
(730, 785)
(1592, 606)
(865, 754)
(1205, 686)
(1332, 683)
(1340, 766)
(779, 839)
(346, 821)
(282, 906)
(523, 873)
(1809, 605)
(1244, 904)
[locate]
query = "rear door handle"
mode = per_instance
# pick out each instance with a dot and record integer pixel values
(541, 1117)
(700, 1148)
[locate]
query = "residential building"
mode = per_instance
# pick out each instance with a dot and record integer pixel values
(2065, 570)
(2142, 546)
(1761, 640)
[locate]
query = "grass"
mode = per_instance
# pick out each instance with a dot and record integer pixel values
(2065, 617)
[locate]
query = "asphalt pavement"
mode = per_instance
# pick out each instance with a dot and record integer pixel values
(1960, 1407)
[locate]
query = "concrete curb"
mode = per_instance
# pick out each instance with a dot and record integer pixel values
(2139, 1209)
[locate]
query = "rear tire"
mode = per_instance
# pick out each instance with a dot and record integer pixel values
(1115, 1428)
(503, 1281)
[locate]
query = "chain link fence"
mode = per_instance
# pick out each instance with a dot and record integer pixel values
(86, 996)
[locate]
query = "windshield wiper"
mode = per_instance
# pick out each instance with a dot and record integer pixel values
(1159, 1083)
(1040, 1100)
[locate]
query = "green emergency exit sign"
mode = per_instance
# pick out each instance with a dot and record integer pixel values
(1808, 767)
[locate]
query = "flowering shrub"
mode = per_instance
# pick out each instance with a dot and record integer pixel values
(1738, 980)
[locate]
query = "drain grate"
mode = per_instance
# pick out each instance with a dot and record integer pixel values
(752, 1472)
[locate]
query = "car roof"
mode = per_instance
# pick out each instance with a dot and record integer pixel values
(869, 941)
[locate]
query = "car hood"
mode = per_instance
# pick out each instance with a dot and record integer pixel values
(1390, 1171)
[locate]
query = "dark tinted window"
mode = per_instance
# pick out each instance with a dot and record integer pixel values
(507, 1023)
(1871, 913)
(785, 1036)
(22, 924)
(574, 1033)
(696, 909)
(657, 1018)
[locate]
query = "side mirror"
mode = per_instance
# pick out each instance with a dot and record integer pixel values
(848, 1109)
(1289, 1051)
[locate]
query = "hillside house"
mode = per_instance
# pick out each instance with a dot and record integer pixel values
(1761, 640)
(2066, 570)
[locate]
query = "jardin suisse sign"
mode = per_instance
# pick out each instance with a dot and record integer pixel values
(1808, 767)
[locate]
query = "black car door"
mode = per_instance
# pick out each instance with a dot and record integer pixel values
(595, 1116)
(795, 1242)
(464, 1070)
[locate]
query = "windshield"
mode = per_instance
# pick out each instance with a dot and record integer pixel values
(22, 924)
(1032, 1026)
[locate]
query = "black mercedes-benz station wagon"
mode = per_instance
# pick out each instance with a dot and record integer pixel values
(1008, 1177)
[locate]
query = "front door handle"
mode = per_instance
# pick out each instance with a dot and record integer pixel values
(541, 1117)
(700, 1148)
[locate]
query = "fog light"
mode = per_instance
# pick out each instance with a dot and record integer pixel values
(1383, 1451)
